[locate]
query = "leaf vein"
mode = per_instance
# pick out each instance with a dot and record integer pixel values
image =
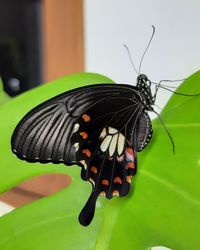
(171, 186)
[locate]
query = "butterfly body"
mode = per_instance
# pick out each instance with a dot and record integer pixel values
(99, 127)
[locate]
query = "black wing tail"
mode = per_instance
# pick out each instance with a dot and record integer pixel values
(87, 213)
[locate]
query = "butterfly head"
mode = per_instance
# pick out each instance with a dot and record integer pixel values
(143, 81)
(144, 86)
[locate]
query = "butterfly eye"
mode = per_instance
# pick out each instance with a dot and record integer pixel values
(144, 78)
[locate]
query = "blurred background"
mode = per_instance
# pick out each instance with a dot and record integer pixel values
(42, 40)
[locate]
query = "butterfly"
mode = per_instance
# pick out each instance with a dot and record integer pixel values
(98, 127)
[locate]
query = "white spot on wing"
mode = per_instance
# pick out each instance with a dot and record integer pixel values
(112, 131)
(103, 133)
(120, 145)
(76, 127)
(120, 158)
(76, 145)
(92, 181)
(105, 143)
(113, 145)
(83, 162)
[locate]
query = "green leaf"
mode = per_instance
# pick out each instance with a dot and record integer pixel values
(162, 208)
(3, 96)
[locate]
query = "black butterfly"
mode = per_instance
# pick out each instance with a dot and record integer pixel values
(98, 127)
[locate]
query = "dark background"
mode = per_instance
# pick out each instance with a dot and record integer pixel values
(20, 45)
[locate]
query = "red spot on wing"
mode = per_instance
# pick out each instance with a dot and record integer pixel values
(130, 165)
(86, 152)
(105, 182)
(130, 154)
(94, 169)
(86, 117)
(118, 180)
(84, 135)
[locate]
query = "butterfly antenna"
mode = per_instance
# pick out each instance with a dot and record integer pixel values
(129, 54)
(152, 35)
(167, 131)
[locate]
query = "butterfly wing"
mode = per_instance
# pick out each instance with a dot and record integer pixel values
(93, 126)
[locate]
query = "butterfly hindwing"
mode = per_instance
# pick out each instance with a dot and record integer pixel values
(104, 144)
(110, 171)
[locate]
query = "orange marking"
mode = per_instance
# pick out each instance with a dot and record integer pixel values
(105, 182)
(130, 151)
(103, 193)
(115, 193)
(86, 152)
(128, 178)
(130, 165)
(94, 169)
(86, 117)
(84, 135)
(118, 180)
